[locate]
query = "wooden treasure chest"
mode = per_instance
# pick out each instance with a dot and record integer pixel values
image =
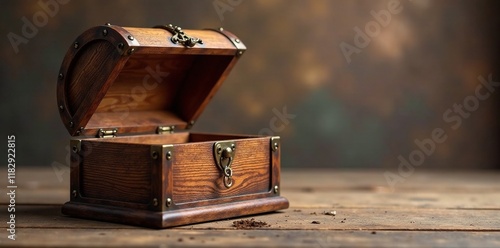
(127, 95)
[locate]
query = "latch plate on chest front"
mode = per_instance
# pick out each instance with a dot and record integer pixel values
(224, 152)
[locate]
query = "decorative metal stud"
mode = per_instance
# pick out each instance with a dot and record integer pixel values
(76, 45)
(107, 24)
(276, 189)
(169, 155)
(130, 37)
(61, 76)
(61, 107)
(74, 193)
(132, 50)
(120, 45)
(155, 202)
(237, 40)
(190, 124)
(71, 124)
(80, 130)
(105, 32)
(168, 202)
(154, 155)
(76, 146)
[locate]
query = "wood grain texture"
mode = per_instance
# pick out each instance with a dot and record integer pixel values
(114, 81)
(93, 66)
(116, 172)
(251, 238)
(289, 228)
(196, 176)
(172, 218)
(157, 41)
(373, 216)
(90, 66)
(152, 139)
(176, 138)
(333, 188)
(132, 122)
(147, 82)
(402, 219)
(129, 179)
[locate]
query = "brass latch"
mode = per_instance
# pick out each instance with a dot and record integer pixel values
(224, 155)
(107, 133)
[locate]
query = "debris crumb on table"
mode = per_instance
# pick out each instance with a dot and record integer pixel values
(332, 213)
(249, 224)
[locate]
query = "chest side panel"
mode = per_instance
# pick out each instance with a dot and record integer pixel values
(116, 172)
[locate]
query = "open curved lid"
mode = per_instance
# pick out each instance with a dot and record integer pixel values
(141, 80)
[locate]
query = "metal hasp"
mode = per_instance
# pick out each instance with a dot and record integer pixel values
(179, 36)
(224, 152)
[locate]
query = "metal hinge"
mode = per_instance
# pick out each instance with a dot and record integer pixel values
(163, 130)
(107, 133)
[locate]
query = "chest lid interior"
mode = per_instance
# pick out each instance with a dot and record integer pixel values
(142, 80)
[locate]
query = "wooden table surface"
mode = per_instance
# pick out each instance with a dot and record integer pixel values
(428, 209)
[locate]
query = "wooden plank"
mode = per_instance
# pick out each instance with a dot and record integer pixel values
(28, 177)
(298, 219)
(38, 196)
(376, 219)
(307, 180)
(457, 190)
(427, 210)
(247, 238)
(361, 199)
(374, 180)
(343, 199)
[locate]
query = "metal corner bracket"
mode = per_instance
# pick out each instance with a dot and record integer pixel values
(275, 143)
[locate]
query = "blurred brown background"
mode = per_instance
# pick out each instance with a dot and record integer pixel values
(366, 113)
